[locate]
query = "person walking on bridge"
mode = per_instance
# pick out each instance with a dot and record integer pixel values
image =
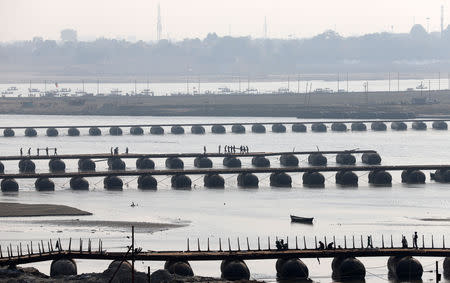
(404, 242)
(29, 151)
(415, 237)
(369, 242)
(21, 152)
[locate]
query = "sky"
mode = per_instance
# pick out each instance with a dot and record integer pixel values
(136, 19)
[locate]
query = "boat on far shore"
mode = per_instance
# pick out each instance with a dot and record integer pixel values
(299, 219)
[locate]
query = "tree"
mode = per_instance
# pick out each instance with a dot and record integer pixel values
(69, 35)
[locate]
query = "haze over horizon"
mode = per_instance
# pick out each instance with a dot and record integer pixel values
(136, 19)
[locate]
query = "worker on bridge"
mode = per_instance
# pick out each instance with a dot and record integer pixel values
(404, 242)
(415, 237)
(321, 245)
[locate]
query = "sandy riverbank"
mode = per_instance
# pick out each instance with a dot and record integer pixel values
(8, 209)
(324, 105)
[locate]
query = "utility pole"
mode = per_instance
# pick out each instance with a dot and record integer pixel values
(389, 81)
(288, 84)
(132, 254)
(439, 81)
(338, 82)
(135, 88)
(347, 82)
(298, 84)
(187, 84)
(438, 276)
(98, 86)
(239, 78)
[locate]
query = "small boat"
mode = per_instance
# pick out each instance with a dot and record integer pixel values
(298, 219)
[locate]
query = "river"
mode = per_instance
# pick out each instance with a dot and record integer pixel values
(235, 212)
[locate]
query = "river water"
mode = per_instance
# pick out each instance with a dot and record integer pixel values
(236, 212)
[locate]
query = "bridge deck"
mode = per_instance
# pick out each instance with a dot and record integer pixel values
(226, 123)
(221, 255)
(180, 155)
(221, 171)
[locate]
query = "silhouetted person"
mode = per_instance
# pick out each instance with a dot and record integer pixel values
(241, 149)
(219, 148)
(404, 242)
(278, 245)
(126, 150)
(21, 151)
(246, 149)
(111, 150)
(204, 149)
(415, 237)
(116, 151)
(38, 151)
(330, 246)
(55, 151)
(369, 242)
(46, 151)
(321, 245)
(29, 151)
(234, 149)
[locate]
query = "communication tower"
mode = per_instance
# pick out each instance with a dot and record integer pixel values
(159, 25)
(265, 27)
(442, 19)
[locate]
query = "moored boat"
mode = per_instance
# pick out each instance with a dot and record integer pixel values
(298, 219)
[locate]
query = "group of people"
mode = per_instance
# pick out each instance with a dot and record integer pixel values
(115, 150)
(46, 149)
(370, 243)
(330, 246)
(405, 241)
(281, 245)
(232, 149)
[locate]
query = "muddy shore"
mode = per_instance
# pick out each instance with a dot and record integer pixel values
(8, 209)
(325, 105)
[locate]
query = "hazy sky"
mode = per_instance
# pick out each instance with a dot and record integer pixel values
(23, 19)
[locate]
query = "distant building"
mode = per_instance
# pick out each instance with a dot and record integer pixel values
(69, 35)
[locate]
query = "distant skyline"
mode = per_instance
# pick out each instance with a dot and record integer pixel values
(137, 19)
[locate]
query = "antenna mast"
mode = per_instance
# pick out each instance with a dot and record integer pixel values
(442, 19)
(265, 28)
(159, 25)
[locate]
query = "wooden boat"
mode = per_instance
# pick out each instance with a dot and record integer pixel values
(298, 219)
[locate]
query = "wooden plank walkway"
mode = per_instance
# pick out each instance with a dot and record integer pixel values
(221, 171)
(179, 155)
(226, 123)
(222, 255)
